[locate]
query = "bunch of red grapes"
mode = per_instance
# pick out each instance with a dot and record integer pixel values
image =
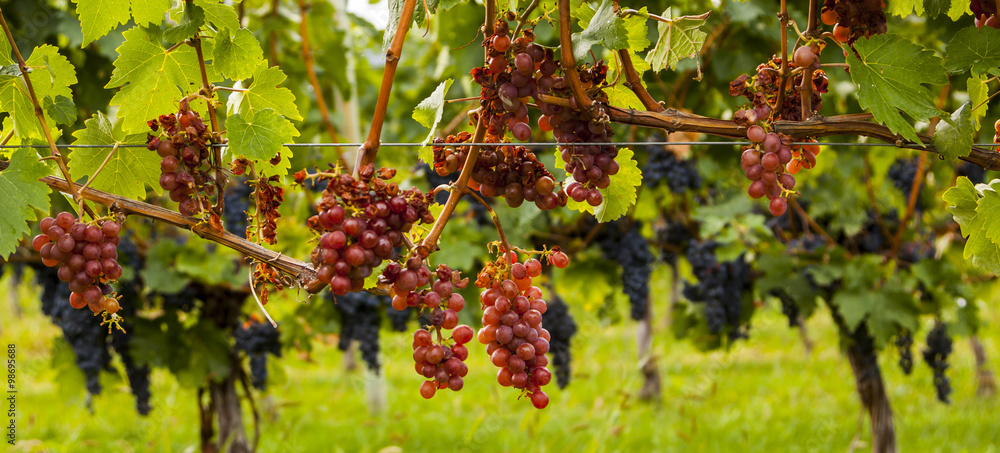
(512, 172)
(184, 144)
(512, 329)
(770, 162)
(360, 222)
(87, 257)
(852, 19)
(584, 137)
(441, 361)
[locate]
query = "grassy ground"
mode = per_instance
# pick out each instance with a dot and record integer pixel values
(764, 395)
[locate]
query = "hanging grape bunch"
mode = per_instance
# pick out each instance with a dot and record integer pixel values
(852, 19)
(440, 360)
(584, 137)
(183, 143)
(512, 172)
(772, 158)
(769, 164)
(512, 329)
(87, 257)
(360, 222)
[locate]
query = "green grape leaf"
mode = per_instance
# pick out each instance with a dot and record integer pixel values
(890, 77)
(128, 170)
(903, 8)
(149, 12)
(896, 309)
(98, 17)
(428, 113)
(220, 14)
(53, 75)
(975, 49)
(679, 38)
(979, 93)
(958, 9)
(988, 208)
(20, 194)
(62, 109)
(621, 97)
(14, 100)
(973, 214)
(6, 58)
(979, 248)
(954, 140)
(962, 201)
(260, 135)
(584, 13)
(236, 56)
(151, 79)
(935, 8)
(605, 28)
(637, 31)
(264, 92)
(58, 73)
(191, 19)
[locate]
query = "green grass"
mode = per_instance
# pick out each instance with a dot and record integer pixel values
(763, 395)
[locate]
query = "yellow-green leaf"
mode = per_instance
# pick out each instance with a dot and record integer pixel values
(129, 169)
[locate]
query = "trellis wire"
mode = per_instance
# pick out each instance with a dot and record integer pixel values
(417, 145)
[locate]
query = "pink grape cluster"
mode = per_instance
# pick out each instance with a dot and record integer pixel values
(360, 222)
(87, 257)
(770, 163)
(512, 329)
(441, 362)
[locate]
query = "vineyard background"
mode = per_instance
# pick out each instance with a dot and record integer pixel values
(870, 255)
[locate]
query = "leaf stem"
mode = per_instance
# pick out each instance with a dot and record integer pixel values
(40, 114)
(369, 149)
(812, 223)
(494, 217)
(103, 164)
